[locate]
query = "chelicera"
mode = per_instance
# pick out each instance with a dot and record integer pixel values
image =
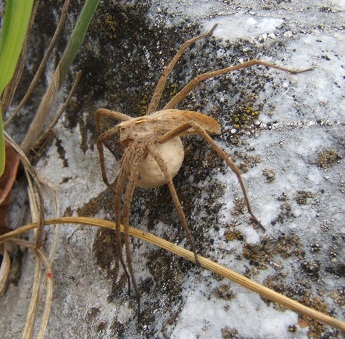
(153, 151)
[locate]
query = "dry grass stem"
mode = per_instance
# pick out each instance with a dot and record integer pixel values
(45, 134)
(47, 282)
(39, 285)
(41, 114)
(204, 262)
(31, 170)
(31, 316)
(4, 272)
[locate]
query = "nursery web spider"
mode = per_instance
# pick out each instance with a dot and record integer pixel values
(153, 152)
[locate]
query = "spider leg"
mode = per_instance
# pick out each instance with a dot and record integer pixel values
(132, 180)
(208, 75)
(199, 130)
(102, 112)
(164, 77)
(174, 132)
(162, 165)
(100, 146)
(120, 186)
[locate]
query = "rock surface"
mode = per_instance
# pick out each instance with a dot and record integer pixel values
(284, 131)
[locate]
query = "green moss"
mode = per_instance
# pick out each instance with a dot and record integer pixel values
(263, 254)
(239, 208)
(224, 292)
(269, 174)
(328, 158)
(303, 196)
(243, 116)
(110, 23)
(231, 235)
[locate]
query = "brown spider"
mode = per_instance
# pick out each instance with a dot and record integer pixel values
(153, 152)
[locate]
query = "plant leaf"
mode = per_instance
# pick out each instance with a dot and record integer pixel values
(17, 17)
(2, 145)
(16, 21)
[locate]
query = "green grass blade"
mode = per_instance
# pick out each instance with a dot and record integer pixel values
(2, 145)
(77, 37)
(17, 17)
(16, 21)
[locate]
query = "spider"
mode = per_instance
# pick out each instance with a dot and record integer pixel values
(153, 151)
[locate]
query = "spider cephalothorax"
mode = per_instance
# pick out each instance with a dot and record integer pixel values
(153, 151)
